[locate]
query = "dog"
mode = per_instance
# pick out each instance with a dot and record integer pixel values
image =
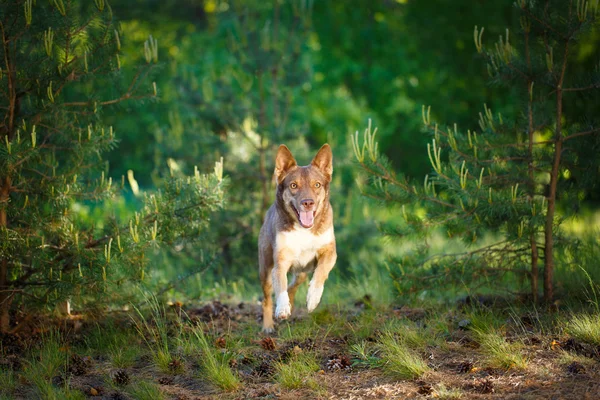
(297, 234)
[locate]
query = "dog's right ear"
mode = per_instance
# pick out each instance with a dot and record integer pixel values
(283, 162)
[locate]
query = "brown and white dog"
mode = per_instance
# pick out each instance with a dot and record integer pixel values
(297, 234)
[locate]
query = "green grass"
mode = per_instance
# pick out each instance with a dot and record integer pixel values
(585, 327)
(444, 393)
(365, 355)
(410, 335)
(50, 392)
(364, 324)
(499, 352)
(399, 360)
(566, 358)
(214, 363)
(46, 361)
(154, 331)
(123, 355)
(484, 321)
(145, 391)
(9, 383)
(298, 372)
(121, 346)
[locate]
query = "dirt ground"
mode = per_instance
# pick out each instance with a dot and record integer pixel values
(558, 367)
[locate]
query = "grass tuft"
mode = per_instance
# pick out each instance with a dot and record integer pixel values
(500, 353)
(585, 327)
(45, 362)
(399, 361)
(298, 372)
(146, 391)
(364, 356)
(566, 358)
(9, 383)
(214, 363)
(154, 330)
(444, 393)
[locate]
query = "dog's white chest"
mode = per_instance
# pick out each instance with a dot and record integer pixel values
(302, 245)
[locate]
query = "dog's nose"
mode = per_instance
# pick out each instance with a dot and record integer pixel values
(308, 203)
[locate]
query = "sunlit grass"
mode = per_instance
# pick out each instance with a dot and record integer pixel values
(305, 328)
(399, 360)
(484, 321)
(444, 393)
(214, 363)
(499, 352)
(585, 327)
(566, 358)
(298, 372)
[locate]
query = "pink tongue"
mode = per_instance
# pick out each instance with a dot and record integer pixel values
(306, 218)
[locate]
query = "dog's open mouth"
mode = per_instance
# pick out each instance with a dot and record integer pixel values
(306, 218)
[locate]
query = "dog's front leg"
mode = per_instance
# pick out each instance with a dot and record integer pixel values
(325, 261)
(283, 307)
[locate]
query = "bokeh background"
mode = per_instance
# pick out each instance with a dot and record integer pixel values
(234, 79)
(237, 78)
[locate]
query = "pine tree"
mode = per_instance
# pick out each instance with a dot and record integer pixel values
(243, 95)
(58, 59)
(505, 177)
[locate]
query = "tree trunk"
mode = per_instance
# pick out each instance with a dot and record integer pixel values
(5, 292)
(558, 143)
(549, 238)
(534, 268)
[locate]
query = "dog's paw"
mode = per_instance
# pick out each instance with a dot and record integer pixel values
(268, 329)
(283, 309)
(313, 297)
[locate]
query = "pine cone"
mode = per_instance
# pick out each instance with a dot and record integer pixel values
(166, 380)
(120, 377)
(336, 363)
(79, 365)
(268, 343)
(220, 342)
(175, 366)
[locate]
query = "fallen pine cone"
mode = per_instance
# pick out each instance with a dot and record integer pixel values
(120, 377)
(268, 343)
(79, 365)
(338, 363)
(220, 342)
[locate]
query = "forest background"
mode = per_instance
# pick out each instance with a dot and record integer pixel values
(232, 80)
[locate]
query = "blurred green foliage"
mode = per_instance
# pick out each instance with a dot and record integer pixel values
(326, 68)
(235, 79)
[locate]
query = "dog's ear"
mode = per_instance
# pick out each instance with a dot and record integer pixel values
(324, 160)
(283, 162)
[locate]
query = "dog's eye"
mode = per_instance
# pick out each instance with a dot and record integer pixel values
(317, 185)
(294, 185)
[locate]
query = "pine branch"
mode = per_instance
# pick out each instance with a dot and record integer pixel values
(579, 134)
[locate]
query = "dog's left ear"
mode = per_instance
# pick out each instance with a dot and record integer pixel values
(324, 160)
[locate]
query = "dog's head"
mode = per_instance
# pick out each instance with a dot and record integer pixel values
(303, 191)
